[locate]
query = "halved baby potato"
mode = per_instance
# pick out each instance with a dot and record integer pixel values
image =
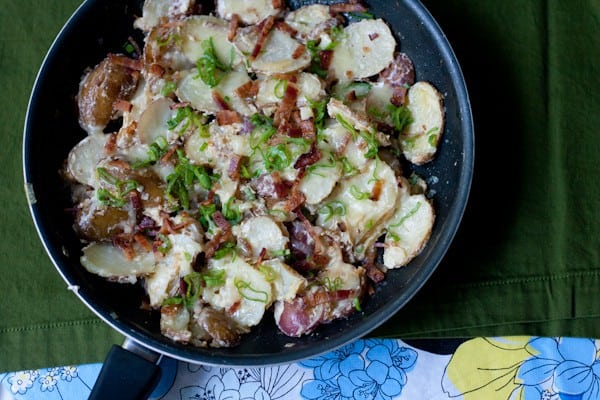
(108, 261)
(408, 229)
(420, 139)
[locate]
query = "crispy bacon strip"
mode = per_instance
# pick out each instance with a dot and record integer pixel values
(228, 117)
(295, 200)
(287, 104)
(264, 29)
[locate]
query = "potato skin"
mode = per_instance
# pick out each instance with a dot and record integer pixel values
(103, 223)
(111, 80)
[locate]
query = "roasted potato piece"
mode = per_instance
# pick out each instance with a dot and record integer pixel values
(215, 328)
(102, 223)
(420, 139)
(408, 230)
(111, 80)
(109, 262)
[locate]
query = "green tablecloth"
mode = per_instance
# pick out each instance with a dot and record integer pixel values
(527, 257)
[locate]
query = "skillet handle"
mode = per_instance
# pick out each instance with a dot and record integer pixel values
(128, 373)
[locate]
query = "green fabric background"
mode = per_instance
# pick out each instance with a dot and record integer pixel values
(527, 257)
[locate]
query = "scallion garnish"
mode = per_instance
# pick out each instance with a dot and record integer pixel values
(246, 290)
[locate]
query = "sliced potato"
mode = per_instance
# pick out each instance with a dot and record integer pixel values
(174, 322)
(246, 292)
(153, 121)
(85, 156)
(201, 96)
(408, 230)
(154, 11)
(108, 261)
(352, 202)
(306, 20)
(271, 91)
(176, 264)
(216, 147)
(420, 139)
(200, 28)
(249, 11)
(320, 179)
(285, 280)
(280, 55)
(262, 232)
(365, 49)
(360, 122)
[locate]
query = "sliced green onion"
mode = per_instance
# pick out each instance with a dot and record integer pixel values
(249, 293)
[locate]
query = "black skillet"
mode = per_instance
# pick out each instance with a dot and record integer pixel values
(102, 26)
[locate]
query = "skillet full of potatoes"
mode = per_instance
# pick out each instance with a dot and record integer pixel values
(255, 182)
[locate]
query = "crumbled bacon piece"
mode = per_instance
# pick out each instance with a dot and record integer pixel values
(125, 244)
(142, 241)
(399, 96)
(228, 117)
(300, 50)
(122, 105)
(306, 159)
(287, 104)
(285, 27)
(376, 190)
(233, 25)
(136, 200)
(294, 200)
(221, 103)
(271, 185)
(248, 90)
(277, 3)
(264, 27)
(221, 221)
(213, 245)
(156, 69)
(325, 57)
(111, 144)
(234, 167)
(261, 256)
(347, 7)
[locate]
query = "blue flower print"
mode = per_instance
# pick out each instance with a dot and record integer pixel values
(314, 389)
(390, 353)
(377, 382)
(342, 360)
(564, 366)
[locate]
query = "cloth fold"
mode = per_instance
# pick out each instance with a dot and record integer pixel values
(526, 260)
